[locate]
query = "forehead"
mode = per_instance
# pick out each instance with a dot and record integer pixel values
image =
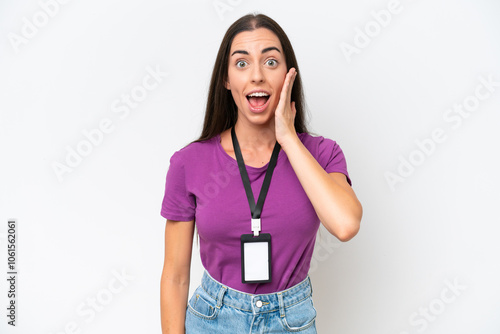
(257, 39)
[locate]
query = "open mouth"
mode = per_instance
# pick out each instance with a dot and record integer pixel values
(258, 100)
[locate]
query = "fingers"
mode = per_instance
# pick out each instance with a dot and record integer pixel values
(286, 91)
(285, 111)
(291, 79)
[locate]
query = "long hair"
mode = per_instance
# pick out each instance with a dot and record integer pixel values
(221, 111)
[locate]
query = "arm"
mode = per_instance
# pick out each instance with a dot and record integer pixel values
(174, 286)
(332, 197)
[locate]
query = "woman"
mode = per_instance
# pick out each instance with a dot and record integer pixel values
(255, 120)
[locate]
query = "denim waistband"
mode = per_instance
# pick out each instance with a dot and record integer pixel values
(256, 303)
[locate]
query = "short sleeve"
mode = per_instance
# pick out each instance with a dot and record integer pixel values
(178, 203)
(331, 157)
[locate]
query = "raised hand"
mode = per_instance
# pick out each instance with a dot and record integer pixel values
(285, 111)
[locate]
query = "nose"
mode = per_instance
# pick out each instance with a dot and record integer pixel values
(257, 74)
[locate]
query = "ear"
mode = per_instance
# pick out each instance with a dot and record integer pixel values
(228, 85)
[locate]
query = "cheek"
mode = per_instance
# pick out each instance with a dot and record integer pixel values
(279, 81)
(235, 81)
(237, 97)
(278, 86)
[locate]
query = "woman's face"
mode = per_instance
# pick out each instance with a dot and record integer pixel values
(256, 74)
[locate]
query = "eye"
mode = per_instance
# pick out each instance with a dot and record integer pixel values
(241, 63)
(272, 62)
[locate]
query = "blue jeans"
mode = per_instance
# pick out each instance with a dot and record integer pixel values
(216, 308)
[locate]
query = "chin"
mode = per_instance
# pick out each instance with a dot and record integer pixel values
(261, 118)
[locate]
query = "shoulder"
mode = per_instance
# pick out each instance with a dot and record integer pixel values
(317, 144)
(327, 152)
(195, 150)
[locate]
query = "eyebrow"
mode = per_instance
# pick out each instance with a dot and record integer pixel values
(263, 51)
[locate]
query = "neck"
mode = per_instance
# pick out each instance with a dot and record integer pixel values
(251, 136)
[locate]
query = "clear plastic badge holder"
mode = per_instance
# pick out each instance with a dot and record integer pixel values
(256, 258)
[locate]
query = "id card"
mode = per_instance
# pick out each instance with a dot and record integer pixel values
(256, 258)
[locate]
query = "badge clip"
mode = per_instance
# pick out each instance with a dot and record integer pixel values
(256, 226)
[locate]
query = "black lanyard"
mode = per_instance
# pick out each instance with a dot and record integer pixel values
(255, 210)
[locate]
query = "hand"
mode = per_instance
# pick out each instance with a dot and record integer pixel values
(285, 111)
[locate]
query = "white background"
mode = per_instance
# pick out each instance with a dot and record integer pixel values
(438, 227)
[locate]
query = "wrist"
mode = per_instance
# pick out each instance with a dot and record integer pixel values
(290, 141)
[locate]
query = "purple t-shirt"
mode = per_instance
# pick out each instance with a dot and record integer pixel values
(203, 183)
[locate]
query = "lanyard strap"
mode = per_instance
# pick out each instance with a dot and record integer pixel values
(255, 209)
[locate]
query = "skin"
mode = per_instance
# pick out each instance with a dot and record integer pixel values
(256, 62)
(332, 197)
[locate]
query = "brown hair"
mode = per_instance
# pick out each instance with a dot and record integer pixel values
(221, 110)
